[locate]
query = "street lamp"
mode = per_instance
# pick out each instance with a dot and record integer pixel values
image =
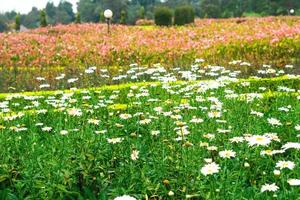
(292, 11)
(108, 14)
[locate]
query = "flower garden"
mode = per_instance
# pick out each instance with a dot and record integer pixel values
(207, 111)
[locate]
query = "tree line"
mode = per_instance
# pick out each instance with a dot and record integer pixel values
(129, 11)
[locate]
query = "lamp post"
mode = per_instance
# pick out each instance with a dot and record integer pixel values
(108, 14)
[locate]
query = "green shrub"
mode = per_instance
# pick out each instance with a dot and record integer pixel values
(184, 15)
(43, 20)
(17, 23)
(163, 16)
(78, 18)
(123, 17)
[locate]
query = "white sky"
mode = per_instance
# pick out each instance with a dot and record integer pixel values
(24, 6)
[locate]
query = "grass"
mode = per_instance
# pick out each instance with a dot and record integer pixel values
(82, 164)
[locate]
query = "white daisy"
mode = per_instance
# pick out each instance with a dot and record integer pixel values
(210, 168)
(269, 188)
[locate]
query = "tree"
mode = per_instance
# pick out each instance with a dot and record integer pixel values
(64, 13)
(123, 17)
(89, 10)
(32, 19)
(17, 23)
(101, 16)
(50, 9)
(78, 18)
(210, 8)
(51, 12)
(142, 12)
(3, 26)
(43, 20)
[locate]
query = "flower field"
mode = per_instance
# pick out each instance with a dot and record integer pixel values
(207, 111)
(227, 137)
(255, 40)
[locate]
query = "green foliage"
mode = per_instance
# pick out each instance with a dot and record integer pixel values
(101, 16)
(184, 15)
(32, 19)
(123, 17)
(78, 18)
(17, 23)
(83, 164)
(210, 9)
(3, 26)
(251, 14)
(142, 12)
(163, 16)
(43, 20)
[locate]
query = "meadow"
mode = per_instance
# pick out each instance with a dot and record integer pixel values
(207, 111)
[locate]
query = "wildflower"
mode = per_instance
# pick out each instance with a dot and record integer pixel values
(171, 193)
(223, 130)
(291, 145)
(209, 136)
(155, 133)
(210, 169)
(196, 120)
(212, 148)
(269, 187)
(236, 139)
(114, 140)
(47, 129)
(246, 164)
(208, 160)
(125, 197)
(285, 164)
(93, 121)
(64, 132)
(135, 155)
(227, 154)
(101, 132)
(258, 114)
(276, 172)
(271, 152)
(74, 112)
(145, 121)
(258, 140)
(297, 127)
(125, 116)
(214, 114)
(72, 80)
(274, 122)
(293, 182)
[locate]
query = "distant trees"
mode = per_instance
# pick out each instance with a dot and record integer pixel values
(32, 19)
(3, 25)
(92, 10)
(62, 14)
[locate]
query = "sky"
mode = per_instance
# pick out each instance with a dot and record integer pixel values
(24, 6)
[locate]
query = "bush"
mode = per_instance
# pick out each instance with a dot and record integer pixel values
(78, 18)
(163, 16)
(43, 20)
(123, 17)
(17, 23)
(184, 15)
